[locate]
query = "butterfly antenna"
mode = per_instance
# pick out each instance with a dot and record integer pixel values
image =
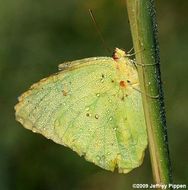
(99, 32)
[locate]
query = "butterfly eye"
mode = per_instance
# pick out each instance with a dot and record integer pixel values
(128, 81)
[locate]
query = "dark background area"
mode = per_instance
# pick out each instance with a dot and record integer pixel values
(36, 36)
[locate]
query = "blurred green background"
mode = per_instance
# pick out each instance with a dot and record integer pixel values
(35, 36)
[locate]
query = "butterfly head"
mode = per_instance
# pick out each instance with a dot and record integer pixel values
(118, 54)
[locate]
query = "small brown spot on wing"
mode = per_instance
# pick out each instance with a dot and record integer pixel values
(122, 83)
(64, 93)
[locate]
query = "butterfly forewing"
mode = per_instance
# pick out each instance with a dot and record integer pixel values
(85, 108)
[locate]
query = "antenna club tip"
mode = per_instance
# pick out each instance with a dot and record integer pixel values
(118, 53)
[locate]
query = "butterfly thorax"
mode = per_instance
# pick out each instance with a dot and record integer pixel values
(126, 70)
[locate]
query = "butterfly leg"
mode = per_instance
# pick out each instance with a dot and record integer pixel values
(131, 54)
(150, 96)
(142, 65)
(130, 50)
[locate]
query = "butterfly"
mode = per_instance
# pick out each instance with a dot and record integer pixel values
(91, 106)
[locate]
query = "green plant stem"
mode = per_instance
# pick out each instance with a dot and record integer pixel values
(143, 28)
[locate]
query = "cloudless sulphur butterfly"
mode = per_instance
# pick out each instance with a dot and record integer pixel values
(91, 106)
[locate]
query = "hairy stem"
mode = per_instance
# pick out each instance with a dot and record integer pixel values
(144, 33)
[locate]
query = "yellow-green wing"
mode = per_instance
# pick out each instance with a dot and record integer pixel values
(86, 107)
